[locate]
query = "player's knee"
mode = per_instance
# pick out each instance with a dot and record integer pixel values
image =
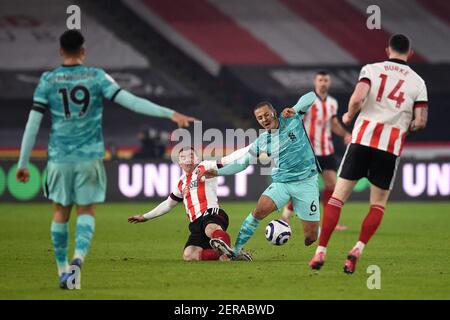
(257, 213)
(329, 185)
(60, 217)
(188, 256)
(210, 228)
(89, 209)
(260, 213)
(310, 238)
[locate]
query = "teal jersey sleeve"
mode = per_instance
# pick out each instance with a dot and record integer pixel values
(139, 105)
(40, 105)
(235, 166)
(40, 96)
(29, 137)
(305, 102)
(108, 86)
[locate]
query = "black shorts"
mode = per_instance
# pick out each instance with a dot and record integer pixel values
(327, 162)
(376, 165)
(198, 237)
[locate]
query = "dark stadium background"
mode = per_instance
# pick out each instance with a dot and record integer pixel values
(215, 60)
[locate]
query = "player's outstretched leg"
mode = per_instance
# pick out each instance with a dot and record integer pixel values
(332, 212)
(327, 193)
(222, 247)
(368, 229)
(60, 235)
(288, 212)
(378, 200)
(331, 216)
(84, 232)
(220, 240)
(221, 243)
(264, 207)
(247, 230)
(209, 254)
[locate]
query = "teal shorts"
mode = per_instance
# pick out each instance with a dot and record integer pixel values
(81, 183)
(304, 195)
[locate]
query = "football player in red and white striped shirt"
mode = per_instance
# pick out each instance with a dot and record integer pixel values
(392, 101)
(207, 219)
(320, 122)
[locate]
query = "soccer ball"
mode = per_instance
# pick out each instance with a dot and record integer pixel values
(278, 232)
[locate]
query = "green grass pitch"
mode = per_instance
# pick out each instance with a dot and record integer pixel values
(412, 249)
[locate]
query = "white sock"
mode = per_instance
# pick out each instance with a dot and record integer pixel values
(321, 249)
(359, 245)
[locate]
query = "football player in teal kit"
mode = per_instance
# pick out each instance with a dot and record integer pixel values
(73, 94)
(294, 176)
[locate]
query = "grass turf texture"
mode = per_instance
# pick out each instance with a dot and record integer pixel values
(144, 261)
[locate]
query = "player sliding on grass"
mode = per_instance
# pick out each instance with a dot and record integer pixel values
(392, 101)
(208, 222)
(295, 175)
(73, 94)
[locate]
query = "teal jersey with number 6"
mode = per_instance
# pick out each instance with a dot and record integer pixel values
(74, 97)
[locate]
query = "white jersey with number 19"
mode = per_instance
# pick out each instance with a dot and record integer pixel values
(395, 91)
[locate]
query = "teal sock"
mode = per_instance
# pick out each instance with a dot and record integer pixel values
(248, 228)
(84, 231)
(60, 235)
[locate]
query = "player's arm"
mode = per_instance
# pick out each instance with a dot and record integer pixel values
(163, 208)
(28, 141)
(112, 91)
(305, 102)
(420, 118)
(231, 168)
(356, 101)
(420, 110)
(359, 95)
(143, 106)
(339, 130)
(40, 105)
(236, 166)
(302, 106)
(232, 157)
